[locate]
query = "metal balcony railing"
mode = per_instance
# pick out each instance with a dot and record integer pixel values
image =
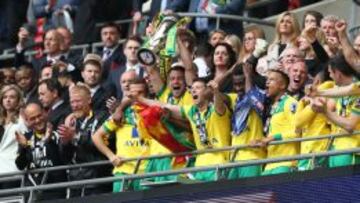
(218, 168)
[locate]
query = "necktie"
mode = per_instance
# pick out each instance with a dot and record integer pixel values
(106, 54)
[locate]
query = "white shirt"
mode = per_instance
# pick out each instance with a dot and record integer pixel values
(9, 146)
(135, 67)
(93, 90)
(203, 69)
(58, 103)
(107, 52)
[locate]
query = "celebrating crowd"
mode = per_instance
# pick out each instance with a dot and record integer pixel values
(227, 90)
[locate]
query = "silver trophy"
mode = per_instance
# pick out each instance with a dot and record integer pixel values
(147, 54)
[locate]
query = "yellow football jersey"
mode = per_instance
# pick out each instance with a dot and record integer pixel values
(166, 96)
(311, 124)
(217, 131)
(282, 126)
(128, 143)
(253, 131)
(345, 106)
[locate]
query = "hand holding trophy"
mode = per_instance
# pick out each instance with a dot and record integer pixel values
(162, 41)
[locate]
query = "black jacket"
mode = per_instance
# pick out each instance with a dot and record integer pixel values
(57, 115)
(83, 150)
(41, 154)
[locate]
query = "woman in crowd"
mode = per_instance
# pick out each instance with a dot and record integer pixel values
(10, 122)
(311, 18)
(235, 42)
(287, 31)
(223, 59)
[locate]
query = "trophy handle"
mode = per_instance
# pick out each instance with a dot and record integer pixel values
(146, 56)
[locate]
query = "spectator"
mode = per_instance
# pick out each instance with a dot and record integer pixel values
(288, 57)
(94, 11)
(112, 55)
(38, 148)
(131, 45)
(216, 36)
(287, 31)
(73, 57)
(10, 122)
(223, 59)
(9, 75)
(91, 73)
(46, 73)
(76, 145)
(203, 59)
(316, 57)
(311, 18)
(52, 47)
(235, 43)
(25, 78)
(52, 10)
(50, 97)
(327, 26)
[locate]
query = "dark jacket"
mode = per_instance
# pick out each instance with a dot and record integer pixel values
(83, 150)
(115, 61)
(41, 154)
(57, 115)
(100, 97)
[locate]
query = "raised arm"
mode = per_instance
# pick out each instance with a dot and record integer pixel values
(304, 114)
(186, 58)
(350, 90)
(350, 55)
(219, 103)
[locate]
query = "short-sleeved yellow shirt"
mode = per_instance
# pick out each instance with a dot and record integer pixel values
(128, 143)
(218, 133)
(253, 131)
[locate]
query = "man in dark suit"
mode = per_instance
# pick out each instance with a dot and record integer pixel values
(112, 53)
(73, 57)
(91, 74)
(50, 97)
(53, 44)
(131, 46)
(27, 81)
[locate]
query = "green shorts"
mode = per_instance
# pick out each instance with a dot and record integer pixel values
(118, 186)
(157, 165)
(342, 160)
(244, 172)
(205, 175)
(278, 170)
(308, 164)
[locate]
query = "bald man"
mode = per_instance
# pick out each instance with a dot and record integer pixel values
(53, 49)
(298, 76)
(38, 148)
(75, 140)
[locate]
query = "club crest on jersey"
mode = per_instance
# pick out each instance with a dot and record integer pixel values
(293, 107)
